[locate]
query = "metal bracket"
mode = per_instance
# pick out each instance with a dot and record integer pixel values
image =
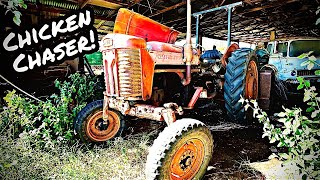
(229, 7)
(105, 108)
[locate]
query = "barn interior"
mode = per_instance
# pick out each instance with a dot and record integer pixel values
(253, 21)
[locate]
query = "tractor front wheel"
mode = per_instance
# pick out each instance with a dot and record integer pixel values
(90, 126)
(182, 151)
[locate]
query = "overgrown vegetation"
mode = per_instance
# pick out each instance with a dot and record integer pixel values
(120, 159)
(296, 131)
(49, 122)
(12, 6)
(37, 140)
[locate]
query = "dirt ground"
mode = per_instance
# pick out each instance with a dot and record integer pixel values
(235, 145)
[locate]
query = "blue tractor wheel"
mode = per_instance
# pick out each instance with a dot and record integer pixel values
(241, 79)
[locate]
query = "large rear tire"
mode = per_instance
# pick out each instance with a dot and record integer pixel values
(89, 124)
(241, 79)
(182, 151)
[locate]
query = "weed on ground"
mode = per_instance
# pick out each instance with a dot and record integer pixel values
(118, 159)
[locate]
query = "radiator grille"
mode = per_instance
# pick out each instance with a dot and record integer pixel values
(129, 70)
(305, 72)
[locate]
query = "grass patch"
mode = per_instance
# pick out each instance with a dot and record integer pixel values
(118, 159)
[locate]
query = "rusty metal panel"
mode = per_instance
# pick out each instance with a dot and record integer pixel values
(147, 73)
(167, 58)
(131, 23)
(129, 72)
(171, 58)
(265, 89)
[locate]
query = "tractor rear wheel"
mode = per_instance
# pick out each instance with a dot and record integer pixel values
(241, 79)
(182, 151)
(90, 127)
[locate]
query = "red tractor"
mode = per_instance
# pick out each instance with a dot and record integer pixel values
(147, 76)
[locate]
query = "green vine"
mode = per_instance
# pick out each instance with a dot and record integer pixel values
(12, 6)
(296, 131)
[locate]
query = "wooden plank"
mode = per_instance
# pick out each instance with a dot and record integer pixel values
(103, 31)
(84, 3)
(100, 24)
(134, 3)
(33, 7)
(169, 8)
(175, 20)
(274, 4)
(106, 4)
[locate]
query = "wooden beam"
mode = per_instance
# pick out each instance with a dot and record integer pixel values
(248, 2)
(175, 20)
(107, 4)
(134, 3)
(274, 4)
(100, 24)
(103, 31)
(33, 7)
(169, 8)
(84, 3)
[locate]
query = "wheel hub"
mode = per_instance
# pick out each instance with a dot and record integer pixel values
(99, 130)
(187, 160)
(101, 125)
(251, 91)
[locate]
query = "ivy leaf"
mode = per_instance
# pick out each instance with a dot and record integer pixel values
(318, 21)
(10, 5)
(282, 114)
(310, 109)
(300, 79)
(301, 86)
(272, 140)
(312, 58)
(286, 132)
(315, 113)
(284, 156)
(309, 157)
(317, 72)
(307, 62)
(255, 112)
(302, 56)
(260, 116)
(273, 155)
(307, 95)
(16, 20)
(246, 107)
(17, 14)
(24, 6)
(310, 66)
(307, 83)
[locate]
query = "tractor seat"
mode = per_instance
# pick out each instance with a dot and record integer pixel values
(161, 46)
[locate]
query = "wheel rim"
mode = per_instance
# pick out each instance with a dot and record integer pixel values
(99, 131)
(251, 81)
(187, 160)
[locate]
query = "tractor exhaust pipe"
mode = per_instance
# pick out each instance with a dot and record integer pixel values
(188, 47)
